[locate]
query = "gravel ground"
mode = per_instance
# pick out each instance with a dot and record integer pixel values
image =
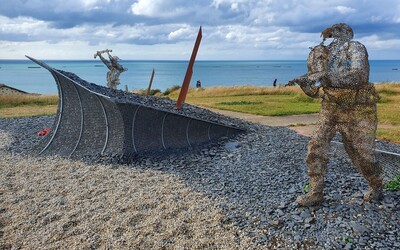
(236, 193)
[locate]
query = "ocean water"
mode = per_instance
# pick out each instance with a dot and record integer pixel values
(29, 77)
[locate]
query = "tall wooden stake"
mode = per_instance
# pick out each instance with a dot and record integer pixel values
(189, 72)
(151, 82)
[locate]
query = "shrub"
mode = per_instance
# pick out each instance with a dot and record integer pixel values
(171, 89)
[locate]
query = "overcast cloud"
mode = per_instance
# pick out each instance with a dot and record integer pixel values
(166, 29)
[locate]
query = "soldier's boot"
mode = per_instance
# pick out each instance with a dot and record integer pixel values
(315, 196)
(374, 192)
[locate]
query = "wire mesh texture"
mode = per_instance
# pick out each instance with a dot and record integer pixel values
(389, 161)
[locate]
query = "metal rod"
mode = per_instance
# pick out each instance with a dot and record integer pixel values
(189, 72)
(151, 82)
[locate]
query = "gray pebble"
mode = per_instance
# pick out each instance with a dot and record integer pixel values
(256, 178)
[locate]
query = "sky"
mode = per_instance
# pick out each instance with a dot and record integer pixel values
(167, 29)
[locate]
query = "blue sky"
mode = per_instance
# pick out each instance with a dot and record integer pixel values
(166, 29)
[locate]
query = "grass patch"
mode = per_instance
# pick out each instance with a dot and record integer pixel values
(246, 90)
(291, 101)
(391, 134)
(155, 92)
(388, 89)
(8, 101)
(28, 110)
(388, 113)
(238, 103)
(269, 105)
(305, 98)
(393, 185)
(306, 188)
(27, 105)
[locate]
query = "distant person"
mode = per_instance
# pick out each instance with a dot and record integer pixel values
(274, 84)
(198, 84)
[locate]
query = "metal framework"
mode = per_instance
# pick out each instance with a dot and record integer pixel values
(89, 122)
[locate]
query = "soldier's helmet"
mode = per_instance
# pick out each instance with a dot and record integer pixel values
(339, 31)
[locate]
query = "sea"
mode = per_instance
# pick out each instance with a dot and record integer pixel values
(30, 77)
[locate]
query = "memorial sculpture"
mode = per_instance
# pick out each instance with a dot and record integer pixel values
(348, 106)
(112, 64)
(94, 120)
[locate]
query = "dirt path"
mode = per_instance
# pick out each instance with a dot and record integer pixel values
(302, 124)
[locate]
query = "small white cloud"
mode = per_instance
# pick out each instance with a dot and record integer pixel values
(231, 36)
(159, 8)
(184, 32)
(344, 9)
(235, 6)
(145, 7)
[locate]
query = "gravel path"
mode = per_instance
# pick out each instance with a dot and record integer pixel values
(236, 193)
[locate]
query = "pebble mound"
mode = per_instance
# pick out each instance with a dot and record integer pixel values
(255, 178)
(164, 104)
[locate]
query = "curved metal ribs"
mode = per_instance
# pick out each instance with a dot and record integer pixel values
(89, 123)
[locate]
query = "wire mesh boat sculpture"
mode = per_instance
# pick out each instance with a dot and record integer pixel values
(92, 119)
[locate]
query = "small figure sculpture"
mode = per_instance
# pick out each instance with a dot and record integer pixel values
(115, 68)
(348, 107)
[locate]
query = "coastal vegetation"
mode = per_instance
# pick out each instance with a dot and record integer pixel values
(266, 101)
(290, 101)
(27, 105)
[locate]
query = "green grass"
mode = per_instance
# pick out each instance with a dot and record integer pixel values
(393, 185)
(27, 105)
(238, 103)
(9, 101)
(268, 105)
(291, 101)
(27, 110)
(258, 101)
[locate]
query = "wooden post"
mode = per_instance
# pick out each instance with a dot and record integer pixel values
(189, 72)
(150, 83)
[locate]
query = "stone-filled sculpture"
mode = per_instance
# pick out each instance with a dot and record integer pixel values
(94, 120)
(348, 107)
(112, 64)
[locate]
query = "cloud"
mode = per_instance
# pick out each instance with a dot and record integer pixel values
(159, 8)
(185, 32)
(258, 26)
(345, 10)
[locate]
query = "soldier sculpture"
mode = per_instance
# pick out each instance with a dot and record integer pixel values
(348, 107)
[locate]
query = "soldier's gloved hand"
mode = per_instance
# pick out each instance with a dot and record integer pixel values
(316, 77)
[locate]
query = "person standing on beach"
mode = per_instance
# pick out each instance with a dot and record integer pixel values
(115, 68)
(274, 84)
(348, 107)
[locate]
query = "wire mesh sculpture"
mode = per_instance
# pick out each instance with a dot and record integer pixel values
(112, 64)
(348, 106)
